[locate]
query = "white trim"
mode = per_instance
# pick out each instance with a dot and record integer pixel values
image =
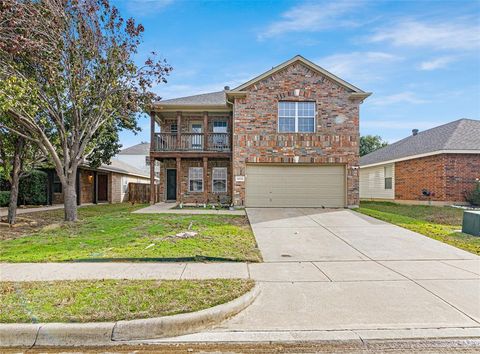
(189, 179)
(226, 179)
(411, 157)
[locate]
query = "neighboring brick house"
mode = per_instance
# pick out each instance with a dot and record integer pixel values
(289, 137)
(436, 166)
(106, 184)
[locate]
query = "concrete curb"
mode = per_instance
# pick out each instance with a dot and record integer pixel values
(108, 333)
(171, 326)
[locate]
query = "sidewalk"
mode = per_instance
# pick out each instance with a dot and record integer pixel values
(4, 211)
(85, 271)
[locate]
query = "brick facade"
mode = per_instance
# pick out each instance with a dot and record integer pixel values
(256, 137)
(447, 176)
(195, 197)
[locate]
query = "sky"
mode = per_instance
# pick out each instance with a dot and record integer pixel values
(420, 59)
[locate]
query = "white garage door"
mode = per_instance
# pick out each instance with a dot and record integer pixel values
(295, 186)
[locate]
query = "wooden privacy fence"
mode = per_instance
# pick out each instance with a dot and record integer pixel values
(140, 193)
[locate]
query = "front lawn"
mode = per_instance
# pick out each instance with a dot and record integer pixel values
(112, 232)
(440, 223)
(112, 300)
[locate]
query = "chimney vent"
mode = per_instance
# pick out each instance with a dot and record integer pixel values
(227, 88)
(414, 132)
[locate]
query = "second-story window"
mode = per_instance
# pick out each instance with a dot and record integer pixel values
(296, 117)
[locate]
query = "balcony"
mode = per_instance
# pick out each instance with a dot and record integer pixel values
(191, 142)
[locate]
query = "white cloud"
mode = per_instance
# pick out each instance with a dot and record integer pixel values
(402, 97)
(462, 33)
(147, 7)
(437, 63)
(312, 17)
(359, 67)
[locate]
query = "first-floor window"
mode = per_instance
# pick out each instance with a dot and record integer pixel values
(388, 173)
(195, 179)
(124, 184)
(219, 179)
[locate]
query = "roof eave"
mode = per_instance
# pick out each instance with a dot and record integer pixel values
(417, 156)
(189, 108)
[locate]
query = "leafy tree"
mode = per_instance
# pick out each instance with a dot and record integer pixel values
(19, 159)
(69, 81)
(370, 143)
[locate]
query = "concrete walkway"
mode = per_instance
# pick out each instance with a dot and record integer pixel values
(168, 208)
(4, 211)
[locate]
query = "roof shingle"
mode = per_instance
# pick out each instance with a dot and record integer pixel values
(462, 134)
(206, 99)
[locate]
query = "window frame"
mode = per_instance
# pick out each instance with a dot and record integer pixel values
(219, 179)
(190, 169)
(296, 118)
(57, 186)
(389, 179)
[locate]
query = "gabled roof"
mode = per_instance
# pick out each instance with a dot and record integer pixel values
(462, 135)
(139, 149)
(306, 62)
(218, 99)
(124, 168)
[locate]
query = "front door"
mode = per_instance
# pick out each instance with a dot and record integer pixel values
(171, 184)
(102, 187)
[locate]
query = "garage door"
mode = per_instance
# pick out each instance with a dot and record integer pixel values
(295, 186)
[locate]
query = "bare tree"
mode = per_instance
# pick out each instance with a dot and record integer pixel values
(68, 78)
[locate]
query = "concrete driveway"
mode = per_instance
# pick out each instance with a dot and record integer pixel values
(336, 274)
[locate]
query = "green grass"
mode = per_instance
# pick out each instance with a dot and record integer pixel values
(112, 300)
(113, 232)
(439, 223)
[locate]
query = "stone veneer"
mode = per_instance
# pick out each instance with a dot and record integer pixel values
(336, 140)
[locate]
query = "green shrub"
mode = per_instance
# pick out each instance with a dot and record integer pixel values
(33, 189)
(4, 198)
(473, 197)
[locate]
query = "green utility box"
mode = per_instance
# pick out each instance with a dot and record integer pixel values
(471, 222)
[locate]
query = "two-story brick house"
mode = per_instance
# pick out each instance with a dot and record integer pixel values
(287, 138)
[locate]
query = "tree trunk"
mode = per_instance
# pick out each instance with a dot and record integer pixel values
(70, 201)
(17, 167)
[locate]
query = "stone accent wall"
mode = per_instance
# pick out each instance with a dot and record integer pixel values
(448, 176)
(195, 197)
(256, 137)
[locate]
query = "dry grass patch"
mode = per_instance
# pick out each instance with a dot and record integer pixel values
(112, 300)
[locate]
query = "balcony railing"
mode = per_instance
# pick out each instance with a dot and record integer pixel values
(192, 142)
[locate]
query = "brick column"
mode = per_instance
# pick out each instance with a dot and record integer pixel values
(179, 130)
(152, 131)
(205, 179)
(152, 180)
(179, 180)
(205, 130)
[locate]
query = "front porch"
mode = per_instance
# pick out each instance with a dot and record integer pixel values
(195, 180)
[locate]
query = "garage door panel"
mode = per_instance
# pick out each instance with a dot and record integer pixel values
(294, 185)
